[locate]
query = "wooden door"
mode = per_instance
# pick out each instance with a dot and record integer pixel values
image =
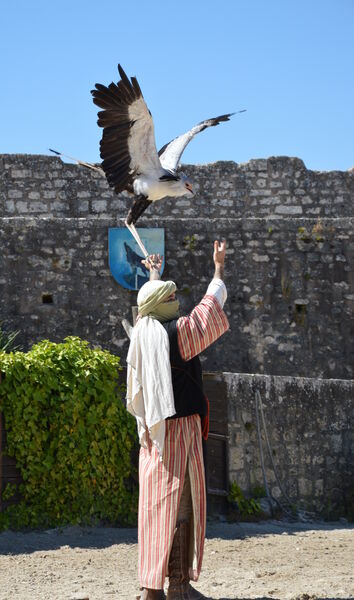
(216, 447)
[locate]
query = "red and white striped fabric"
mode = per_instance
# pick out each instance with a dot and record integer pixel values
(161, 482)
(161, 485)
(203, 326)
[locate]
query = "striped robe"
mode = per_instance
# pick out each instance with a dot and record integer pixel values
(161, 482)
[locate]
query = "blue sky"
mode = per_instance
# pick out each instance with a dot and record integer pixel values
(289, 63)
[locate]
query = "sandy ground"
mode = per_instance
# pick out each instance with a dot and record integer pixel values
(269, 560)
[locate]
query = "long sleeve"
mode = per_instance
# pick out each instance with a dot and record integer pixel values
(217, 288)
(203, 326)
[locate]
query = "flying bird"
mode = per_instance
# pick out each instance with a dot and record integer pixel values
(128, 149)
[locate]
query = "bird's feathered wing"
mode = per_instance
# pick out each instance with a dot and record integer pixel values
(128, 145)
(170, 154)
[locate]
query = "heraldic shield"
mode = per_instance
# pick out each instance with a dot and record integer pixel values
(125, 255)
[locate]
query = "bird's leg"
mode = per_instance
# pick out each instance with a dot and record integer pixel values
(136, 236)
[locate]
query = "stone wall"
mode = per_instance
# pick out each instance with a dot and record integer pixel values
(310, 425)
(289, 272)
(44, 186)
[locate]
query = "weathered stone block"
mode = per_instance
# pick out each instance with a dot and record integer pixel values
(59, 183)
(22, 207)
(99, 205)
(34, 195)
(21, 173)
(49, 194)
(10, 206)
(37, 207)
(15, 193)
(284, 209)
(236, 458)
(83, 206)
(260, 258)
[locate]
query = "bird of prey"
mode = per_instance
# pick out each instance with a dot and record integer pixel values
(128, 149)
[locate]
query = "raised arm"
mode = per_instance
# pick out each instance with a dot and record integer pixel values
(217, 287)
(207, 321)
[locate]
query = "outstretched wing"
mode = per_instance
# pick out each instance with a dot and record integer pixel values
(171, 153)
(128, 145)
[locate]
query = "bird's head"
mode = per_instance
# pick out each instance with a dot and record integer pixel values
(178, 186)
(187, 185)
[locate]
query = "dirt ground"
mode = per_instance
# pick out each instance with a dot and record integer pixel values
(269, 560)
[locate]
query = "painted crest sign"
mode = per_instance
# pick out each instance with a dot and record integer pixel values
(125, 256)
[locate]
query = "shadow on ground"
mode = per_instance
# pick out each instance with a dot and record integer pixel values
(302, 597)
(12, 542)
(231, 531)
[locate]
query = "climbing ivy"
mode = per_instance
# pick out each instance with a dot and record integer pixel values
(70, 434)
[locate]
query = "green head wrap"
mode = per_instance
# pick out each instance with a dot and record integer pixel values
(151, 300)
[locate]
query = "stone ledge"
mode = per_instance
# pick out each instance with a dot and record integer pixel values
(253, 164)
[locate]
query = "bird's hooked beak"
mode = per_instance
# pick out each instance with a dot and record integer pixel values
(189, 188)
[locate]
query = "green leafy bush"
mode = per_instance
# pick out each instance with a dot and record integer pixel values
(70, 434)
(246, 507)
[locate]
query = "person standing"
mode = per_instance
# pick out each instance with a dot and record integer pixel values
(165, 394)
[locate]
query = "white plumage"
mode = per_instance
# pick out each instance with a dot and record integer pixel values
(128, 149)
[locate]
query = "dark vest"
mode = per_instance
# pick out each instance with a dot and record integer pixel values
(187, 379)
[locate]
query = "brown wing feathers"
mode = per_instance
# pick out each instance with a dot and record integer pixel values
(114, 118)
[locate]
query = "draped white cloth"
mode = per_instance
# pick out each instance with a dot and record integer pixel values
(149, 381)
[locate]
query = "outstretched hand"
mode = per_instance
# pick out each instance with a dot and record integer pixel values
(153, 263)
(219, 252)
(219, 258)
